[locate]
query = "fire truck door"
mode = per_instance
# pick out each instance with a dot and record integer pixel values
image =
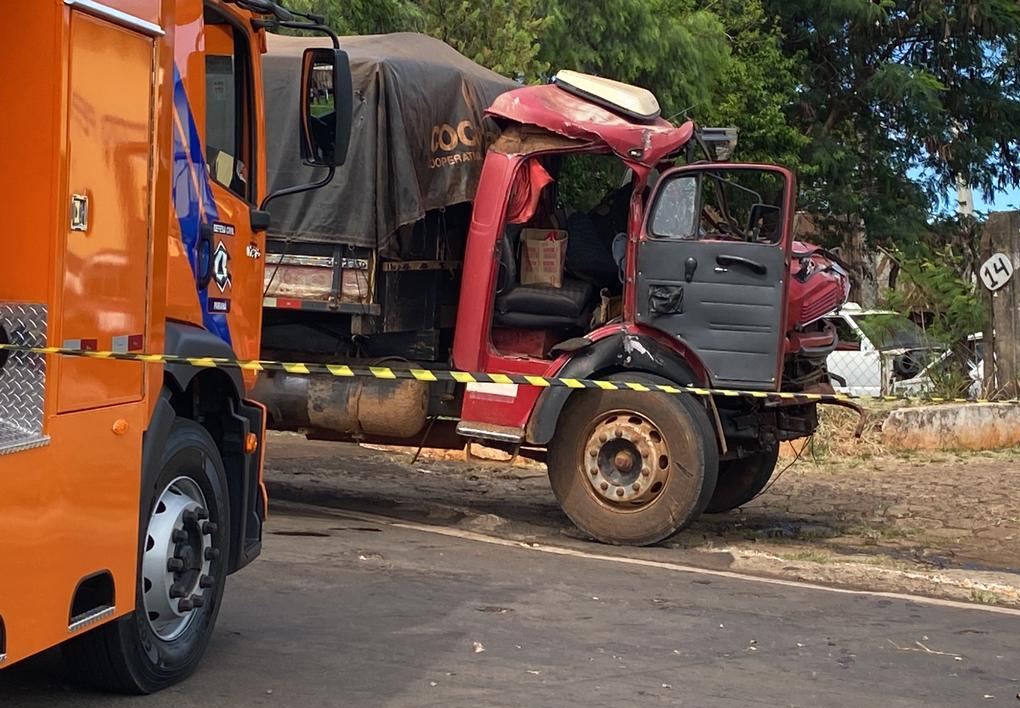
(232, 294)
(711, 268)
(105, 272)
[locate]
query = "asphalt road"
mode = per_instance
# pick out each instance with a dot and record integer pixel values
(347, 611)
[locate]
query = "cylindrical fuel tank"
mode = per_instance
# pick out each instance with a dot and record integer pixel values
(351, 406)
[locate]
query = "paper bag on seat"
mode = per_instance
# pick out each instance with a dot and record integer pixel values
(543, 254)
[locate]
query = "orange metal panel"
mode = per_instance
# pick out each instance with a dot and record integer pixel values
(29, 60)
(106, 251)
(147, 10)
(69, 510)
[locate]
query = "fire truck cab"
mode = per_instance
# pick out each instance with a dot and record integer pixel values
(134, 186)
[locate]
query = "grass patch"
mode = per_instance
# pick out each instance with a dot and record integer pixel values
(808, 556)
(984, 597)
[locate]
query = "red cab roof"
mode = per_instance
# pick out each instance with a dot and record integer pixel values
(552, 108)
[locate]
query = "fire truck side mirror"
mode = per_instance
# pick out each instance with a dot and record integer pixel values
(327, 106)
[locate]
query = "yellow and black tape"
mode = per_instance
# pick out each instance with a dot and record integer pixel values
(466, 377)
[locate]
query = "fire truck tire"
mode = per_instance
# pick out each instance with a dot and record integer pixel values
(179, 587)
(741, 480)
(633, 468)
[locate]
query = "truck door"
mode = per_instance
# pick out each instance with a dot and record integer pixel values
(230, 249)
(711, 267)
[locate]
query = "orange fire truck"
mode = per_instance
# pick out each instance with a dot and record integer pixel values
(135, 199)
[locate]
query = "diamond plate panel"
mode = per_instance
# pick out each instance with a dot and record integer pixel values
(23, 378)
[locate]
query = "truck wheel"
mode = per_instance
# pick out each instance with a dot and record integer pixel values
(181, 571)
(632, 468)
(741, 480)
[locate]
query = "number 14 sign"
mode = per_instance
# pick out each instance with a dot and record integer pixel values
(996, 271)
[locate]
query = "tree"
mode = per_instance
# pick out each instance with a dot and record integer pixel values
(900, 98)
(757, 87)
(499, 34)
(667, 46)
(361, 16)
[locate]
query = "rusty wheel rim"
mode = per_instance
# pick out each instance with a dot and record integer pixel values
(626, 461)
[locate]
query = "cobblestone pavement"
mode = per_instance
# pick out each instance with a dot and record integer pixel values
(940, 514)
(944, 510)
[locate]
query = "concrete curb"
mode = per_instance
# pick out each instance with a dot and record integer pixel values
(972, 426)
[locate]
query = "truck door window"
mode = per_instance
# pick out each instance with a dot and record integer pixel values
(228, 106)
(721, 205)
(675, 208)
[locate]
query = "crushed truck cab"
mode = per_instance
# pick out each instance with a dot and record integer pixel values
(683, 273)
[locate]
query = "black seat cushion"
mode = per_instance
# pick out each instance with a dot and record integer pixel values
(567, 301)
(546, 306)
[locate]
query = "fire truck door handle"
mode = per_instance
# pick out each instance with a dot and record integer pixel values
(726, 260)
(205, 264)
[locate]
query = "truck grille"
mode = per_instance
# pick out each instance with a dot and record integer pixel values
(813, 310)
(22, 378)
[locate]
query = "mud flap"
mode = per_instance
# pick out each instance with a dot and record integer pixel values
(247, 494)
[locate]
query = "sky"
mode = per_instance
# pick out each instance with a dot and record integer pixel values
(1010, 199)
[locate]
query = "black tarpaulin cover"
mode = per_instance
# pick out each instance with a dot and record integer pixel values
(417, 142)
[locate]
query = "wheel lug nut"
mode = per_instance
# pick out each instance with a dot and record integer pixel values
(185, 605)
(212, 554)
(175, 565)
(645, 472)
(593, 452)
(594, 472)
(179, 536)
(636, 487)
(206, 582)
(604, 486)
(209, 528)
(189, 517)
(644, 452)
(177, 590)
(197, 600)
(201, 513)
(619, 491)
(618, 433)
(603, 437)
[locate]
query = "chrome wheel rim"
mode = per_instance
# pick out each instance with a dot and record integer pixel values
(178, 558)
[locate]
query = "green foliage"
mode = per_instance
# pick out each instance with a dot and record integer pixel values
(935, 278)
(896, 88)
(756, 88)
(361, 16)
(499, 34)
(678, 51)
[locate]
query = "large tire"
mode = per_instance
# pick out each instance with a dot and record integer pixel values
(162, 641)
(741, 480)
(642, 484)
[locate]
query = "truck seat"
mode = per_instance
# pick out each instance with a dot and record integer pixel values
(543, 306)
(538, 306)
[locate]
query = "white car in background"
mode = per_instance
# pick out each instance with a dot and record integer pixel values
(877, 351)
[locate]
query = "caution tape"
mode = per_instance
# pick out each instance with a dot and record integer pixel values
(467, 377)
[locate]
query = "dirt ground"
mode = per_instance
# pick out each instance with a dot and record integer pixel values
(945, 524)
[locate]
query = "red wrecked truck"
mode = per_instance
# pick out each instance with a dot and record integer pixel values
(683, 273)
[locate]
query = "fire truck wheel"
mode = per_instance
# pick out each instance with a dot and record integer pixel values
(633, 468)
(181, 570)
(741, 480)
